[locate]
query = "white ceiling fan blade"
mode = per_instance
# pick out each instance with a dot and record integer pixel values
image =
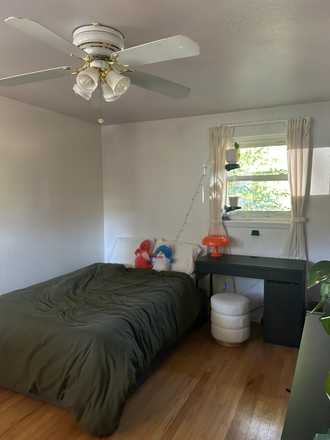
(32, 77)
(97, 98)
(160, 50)
(37, 30)
(158, 85)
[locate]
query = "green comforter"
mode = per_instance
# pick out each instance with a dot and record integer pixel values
(83, 337)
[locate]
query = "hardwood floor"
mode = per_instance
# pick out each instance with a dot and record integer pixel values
(201, 392)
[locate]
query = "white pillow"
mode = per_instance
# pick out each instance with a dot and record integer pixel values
(123, 251)
(183, 254)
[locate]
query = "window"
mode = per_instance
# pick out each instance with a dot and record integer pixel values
(261, 182)
(320, 184)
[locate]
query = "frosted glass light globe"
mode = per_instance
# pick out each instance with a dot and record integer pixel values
(118, 82)
(82, 93)
(108, 93)
(88, 79)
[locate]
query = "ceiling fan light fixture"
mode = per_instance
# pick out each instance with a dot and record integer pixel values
(108, 93)
(118, 82)
(88, 79)
(82, 93)
(103, 51)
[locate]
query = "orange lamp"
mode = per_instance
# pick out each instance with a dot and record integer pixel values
(216, 240)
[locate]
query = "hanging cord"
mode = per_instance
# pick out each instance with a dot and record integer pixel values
(193, 199)
(101, 120)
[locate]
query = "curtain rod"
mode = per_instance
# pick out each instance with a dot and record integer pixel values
(255, 122)
(273, 121)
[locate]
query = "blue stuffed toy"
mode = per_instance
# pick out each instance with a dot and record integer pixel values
(162, 259)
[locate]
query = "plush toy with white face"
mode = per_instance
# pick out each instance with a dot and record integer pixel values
(163, 258)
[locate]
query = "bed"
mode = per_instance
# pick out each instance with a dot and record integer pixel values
(84, 338)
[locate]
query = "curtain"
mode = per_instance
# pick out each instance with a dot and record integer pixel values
(297, 133)
(220, 140)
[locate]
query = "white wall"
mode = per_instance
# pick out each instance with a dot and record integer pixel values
(151, 171)
(51, 194)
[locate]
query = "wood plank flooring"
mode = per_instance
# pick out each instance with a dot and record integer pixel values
(201, 392)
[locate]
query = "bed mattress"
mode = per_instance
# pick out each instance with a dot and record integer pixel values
(84, 337)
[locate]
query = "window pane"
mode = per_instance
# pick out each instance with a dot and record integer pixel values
(262, 196)
(262, 160)
(320, 184)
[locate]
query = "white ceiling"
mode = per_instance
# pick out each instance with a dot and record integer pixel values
(254, 54)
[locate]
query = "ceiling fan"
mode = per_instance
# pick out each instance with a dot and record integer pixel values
(109, 68)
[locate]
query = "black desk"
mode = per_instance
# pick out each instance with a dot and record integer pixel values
(309, 408)
(284, 290)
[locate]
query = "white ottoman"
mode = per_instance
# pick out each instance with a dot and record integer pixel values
(230, 319)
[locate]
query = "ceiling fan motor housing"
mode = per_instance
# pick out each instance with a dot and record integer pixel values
(98, 40)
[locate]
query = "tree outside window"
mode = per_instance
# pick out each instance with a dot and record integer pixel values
(262, 179)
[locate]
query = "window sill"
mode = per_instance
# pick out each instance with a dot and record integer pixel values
(260, 216)
(261, 224)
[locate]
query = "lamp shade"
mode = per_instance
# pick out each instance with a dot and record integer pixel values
(119, 83)
(82, 93)
(216, 240)
(88, 79)
(108, 94)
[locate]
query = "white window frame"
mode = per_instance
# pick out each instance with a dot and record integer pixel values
(258, 178)
(268, 140)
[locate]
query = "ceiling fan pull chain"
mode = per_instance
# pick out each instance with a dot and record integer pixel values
(101, 120)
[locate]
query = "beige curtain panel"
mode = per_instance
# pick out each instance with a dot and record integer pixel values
(298, 140)
(220, 140)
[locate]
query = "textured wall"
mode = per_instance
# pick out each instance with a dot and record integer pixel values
(51, 194)
(151, 171)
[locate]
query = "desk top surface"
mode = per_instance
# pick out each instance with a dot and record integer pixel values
(252, 261)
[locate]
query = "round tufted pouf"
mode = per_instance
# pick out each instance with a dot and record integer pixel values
(230, 319)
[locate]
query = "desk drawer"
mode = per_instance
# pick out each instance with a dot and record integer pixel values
(284, 307)
(239, 271)
(284, 276)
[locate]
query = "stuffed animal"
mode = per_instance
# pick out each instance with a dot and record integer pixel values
(162, 259)
(143, 256)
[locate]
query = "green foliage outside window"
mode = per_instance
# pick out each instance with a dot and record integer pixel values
(262, 195)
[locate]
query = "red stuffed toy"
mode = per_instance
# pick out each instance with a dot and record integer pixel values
(142, 255)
